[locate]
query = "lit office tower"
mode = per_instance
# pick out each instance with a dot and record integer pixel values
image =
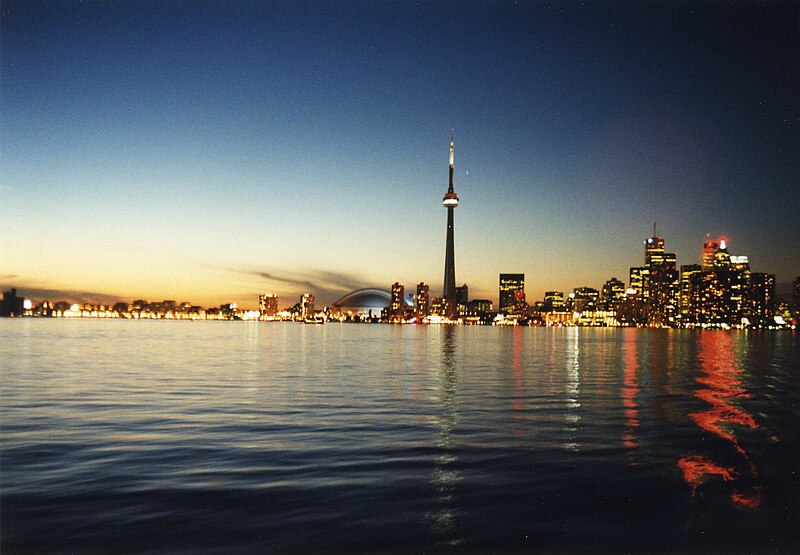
(709, 253)
(653, 250)
(613, 294)
(480, 306)
(584, 299)
(423, 300)
(716, 298)
(659, 282)
(268, 305)
(462, 298)
(664, 296)
(687, 271)
(722, 259)
(741, 265)
(509, 285)
(640, 281)
(450, 201)
(761, 298)
(553, 301)
(397, 307)
(307, 306)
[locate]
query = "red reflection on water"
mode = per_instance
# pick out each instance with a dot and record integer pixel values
(721, 387)
(695, 469)
(630, 389)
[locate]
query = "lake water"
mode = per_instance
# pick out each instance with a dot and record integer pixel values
(154, 436)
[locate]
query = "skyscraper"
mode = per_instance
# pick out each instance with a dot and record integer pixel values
(613, 294)
(553, 301)
(462, 298)
(307, 306)
(450, 201)
(268, 305)
(397, 308)
(660, 283)
(761, 298)
(509, 285)
(423, 300)
(722, 259)
(687, 271)
(653, 250)
(639, 280)
(709, 253)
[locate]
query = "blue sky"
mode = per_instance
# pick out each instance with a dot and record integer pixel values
(191, 149)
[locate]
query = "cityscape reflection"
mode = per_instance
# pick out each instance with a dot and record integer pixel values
(572, 389)
(721, 388)
(445, 476)
(630, 390)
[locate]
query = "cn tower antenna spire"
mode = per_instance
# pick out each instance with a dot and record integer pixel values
(451, 157)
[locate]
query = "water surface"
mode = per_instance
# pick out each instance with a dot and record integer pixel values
(127, 436)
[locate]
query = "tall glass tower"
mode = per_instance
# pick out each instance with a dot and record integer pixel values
(450, 201)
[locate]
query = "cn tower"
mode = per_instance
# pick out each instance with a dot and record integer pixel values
(450, 201)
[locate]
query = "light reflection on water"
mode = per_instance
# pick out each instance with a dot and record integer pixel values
(180, 436)
(722, 389)
(572, 415)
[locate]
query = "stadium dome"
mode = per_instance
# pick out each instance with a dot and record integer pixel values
(361, 301)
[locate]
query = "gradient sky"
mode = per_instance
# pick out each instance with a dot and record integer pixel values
(211, 151)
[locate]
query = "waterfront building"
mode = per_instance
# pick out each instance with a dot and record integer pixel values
(653, 250)
(438, 307)
(268, 305)
(462, 298)
(708, 255)
(450, 201)
(639, 281)
(520, 304)
(660, 284)
(553, 301)
(307, 306)
(584, 299)
(398, 304)
(664, 297)
(509, 285)
(685, 301)
(422, 300)
(761, 299)
(722, 258)
(227, 311)
(481, 306)
(12, 305)
(612, 295)
(716, 298)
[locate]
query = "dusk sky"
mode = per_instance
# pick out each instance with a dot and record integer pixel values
(213, 151)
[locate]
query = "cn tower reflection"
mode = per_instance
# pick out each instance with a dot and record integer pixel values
(445, 476)
(721, 388)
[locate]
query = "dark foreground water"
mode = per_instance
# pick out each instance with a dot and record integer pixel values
(232, 437)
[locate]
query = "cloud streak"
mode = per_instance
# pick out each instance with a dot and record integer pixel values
(325, 285)
(70, 295)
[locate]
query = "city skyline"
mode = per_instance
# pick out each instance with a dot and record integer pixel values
(145, 157)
